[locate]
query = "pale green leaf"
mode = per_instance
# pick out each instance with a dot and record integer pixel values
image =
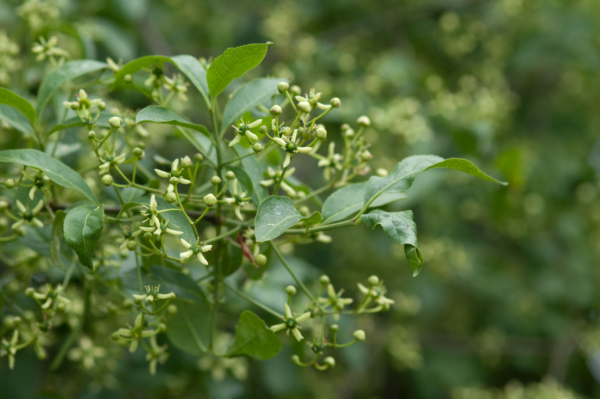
(15, 119)
(253, 338)
(275, 215)
(56, 171)
(189, 328)
(193, 69)
(313, 219)
(232, 64)
(156, 114)
(254, 170)
(19, 103)
(82, 229)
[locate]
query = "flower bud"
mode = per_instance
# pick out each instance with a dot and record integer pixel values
(373, 280)
(186, 162)
(115, 336)
(321, 133)
(215, 180)
(290, 290)
(115, 121)
(366, 156)
(359, 335)
(138, 152)
(3, 205)
(304, 210)
(107, 180)
(230, 175)
(262, 129)
(381, 172)
(349, 133)
(131, 245)
(128, 78)
(334, 328)
(296, 90)
(260, 259)
(198, 158)
(209, 200)
(29, 291)
(147, 236)
(275, 110)
(91, 135)
(329, 361)
(171, 197)
(324, 279)
(335, 102)
(10, 183)
(172, 309)
(174, 180)
(282, 86)
(363, 121)
(61, 307)
(101, 106)
(304, 106)
(257, 147)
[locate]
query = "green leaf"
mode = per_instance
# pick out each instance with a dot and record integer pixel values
(193, 69)
(402, 229)
(402, 177)
(19, 103)
(313, 219)
(232, 64)
(248, 97)
(76, 122)
(243, 179)
(57, 231)
(56, 171)
(82, 229)
(253, 338)
(254, 171)
(232, 259)
(170, 280)
(275, 215)
(177, 220)
(350, 199)
(156, 114)
(189, 328)
(16, 119)
(138, 64)
(68, 71)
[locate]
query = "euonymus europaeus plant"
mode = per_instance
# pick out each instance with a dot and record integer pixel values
(164, 245)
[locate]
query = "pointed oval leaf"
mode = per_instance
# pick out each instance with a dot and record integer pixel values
(350, 199)
(57, 171)
(189, 328)
(404, 174)
(275, 215)
(82, 229)
(16, 119)
(313, 219)
(254, 171)
(68, 71)
(19, 103)
(253, 338)
(243, 178)
(232, 64)
(402, 229)
(156, 114)
(193, 69)
(248, 97)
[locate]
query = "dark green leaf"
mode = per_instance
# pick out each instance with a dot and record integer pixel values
(275, 215)
(19, 103)
(193, 69)
(402, 177)
(232, 64)
(243, 179)
(57, 232)
(232, 259)
(350, 199)
(57, 171)
(253, 338)
(313, 219)
(68, 71)
(248, 97)
(16, 119)
(82, 229)
(162, 115)
(254, 170)
(189, 328)
(402, 229)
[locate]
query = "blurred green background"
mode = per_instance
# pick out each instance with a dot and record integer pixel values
(507, 303)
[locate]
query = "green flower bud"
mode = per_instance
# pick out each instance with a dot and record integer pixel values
(335, 102)
(366, 156)
(107, 180)
(210, 200)
(170, 197)
(295, 359)
(10, 183)
(363, 121)
(91, 135)
(3, 205)
(381, 172)
(275, 110)
(115, 121)
(349, 133)
(172, 309)
(230, 175)
(373, 280)
(186, 162)
(329, 361)
(262, 129)
(290, 290)
(260, 259)
(29, 291)
(296, 90)
(198, 158)
(304, 106)
(359, 335)
(174, 180)
(131, 245)
(115, 336)
(257, 147)
(161, 327)
(304, 210)
(61, 307)
(147, 236)
(101, 105)
(334, 328)
(215, 180)
(138, 152)
(127, 78)
(324, 280)
(321, 133)
(282, 87)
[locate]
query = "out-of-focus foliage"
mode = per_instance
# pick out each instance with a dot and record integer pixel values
(509, 286)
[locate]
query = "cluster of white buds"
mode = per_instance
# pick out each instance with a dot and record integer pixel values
(153, 218)
(238, 199)
(109, 161)
(375, 292)
(175, 176)
(196, 249)
(83, 106)
(47, 48)
(50, 299)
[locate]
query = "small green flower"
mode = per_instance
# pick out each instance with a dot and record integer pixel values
(291, 323)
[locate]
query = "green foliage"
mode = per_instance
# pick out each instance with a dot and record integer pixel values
(253, 338)
(20, 104)
(82, 228)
